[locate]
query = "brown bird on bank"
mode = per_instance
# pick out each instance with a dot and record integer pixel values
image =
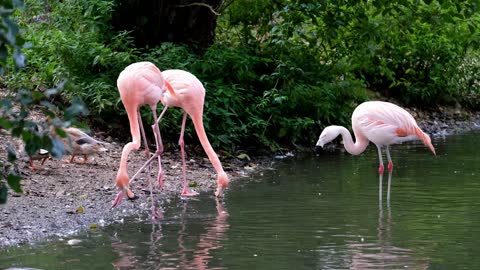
(18, 146)
(41, 155)
(78, 142)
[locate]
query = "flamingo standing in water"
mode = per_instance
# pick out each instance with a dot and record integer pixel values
(139, 84)
(382, 123)
(190, 96)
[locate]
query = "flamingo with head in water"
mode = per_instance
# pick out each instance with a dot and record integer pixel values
(190, 96)
(139, 84)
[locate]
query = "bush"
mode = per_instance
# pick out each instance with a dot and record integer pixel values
(277, 73)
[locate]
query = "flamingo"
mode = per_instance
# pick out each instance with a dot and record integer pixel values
(382, 123)
(190, 96)
(139, 84)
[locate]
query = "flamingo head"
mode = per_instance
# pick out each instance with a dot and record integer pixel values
(222, 183)
(123, 183)
(328, 134)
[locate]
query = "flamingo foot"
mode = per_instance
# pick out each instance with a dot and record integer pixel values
(381, 169)
(188, 193)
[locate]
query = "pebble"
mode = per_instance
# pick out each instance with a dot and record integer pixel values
(74, 242)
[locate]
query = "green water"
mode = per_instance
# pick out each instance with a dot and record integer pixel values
(316, 212)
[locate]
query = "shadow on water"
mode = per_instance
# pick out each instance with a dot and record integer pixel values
(312, 212)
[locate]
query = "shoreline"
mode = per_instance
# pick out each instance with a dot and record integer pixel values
(63, 199)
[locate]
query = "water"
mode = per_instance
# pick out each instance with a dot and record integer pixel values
(319, 212)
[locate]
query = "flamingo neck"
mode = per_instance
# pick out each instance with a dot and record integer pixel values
(202, 136)
(354, 148)
(134, 144)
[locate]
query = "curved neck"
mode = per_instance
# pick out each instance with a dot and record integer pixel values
(202, 136)
(353, 148)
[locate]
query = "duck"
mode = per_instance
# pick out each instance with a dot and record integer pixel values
(17, 148)
(42, 155)
(78, 142)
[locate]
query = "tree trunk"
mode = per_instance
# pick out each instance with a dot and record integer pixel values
(152, 22)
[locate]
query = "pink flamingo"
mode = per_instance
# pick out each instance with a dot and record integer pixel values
(190, 96)
(139, 84)
(382, 123)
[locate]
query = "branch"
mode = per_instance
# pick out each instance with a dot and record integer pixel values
(201, 4)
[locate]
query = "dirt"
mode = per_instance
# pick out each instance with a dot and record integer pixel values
(63, 198)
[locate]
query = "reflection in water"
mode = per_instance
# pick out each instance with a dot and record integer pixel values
(184, 257)
(126, 259)
(380, 189)
(383, 254)
(314, 215)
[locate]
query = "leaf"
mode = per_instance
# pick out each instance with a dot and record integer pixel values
(13, 180)
(243, 156)
(58, 148)
(3, 193)
(80, 210)
(19, 58)
(11, 154)
(5, 123)
(193, 184)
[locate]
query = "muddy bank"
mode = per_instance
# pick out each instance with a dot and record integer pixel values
(64, 198)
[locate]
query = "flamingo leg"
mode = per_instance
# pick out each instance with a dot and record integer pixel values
(185, 191)
(142, 131)
(380, 166)
(390, 163)
(161, 115)
(388, 187)
(380, 181)
(159, 143)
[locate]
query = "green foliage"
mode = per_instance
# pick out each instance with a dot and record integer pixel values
(82, 50)
(15, 118)
(15, 110)
(10, 38)
(278, 72)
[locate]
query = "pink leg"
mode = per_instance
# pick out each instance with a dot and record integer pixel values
(390, 163)
(159, 143)
(380, 166)
(142, 131)
(185, 191)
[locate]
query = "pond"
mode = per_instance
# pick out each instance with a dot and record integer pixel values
(311, 212)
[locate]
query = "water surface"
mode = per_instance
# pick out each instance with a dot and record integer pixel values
(313, 212)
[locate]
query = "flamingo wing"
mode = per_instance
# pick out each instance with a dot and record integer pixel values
(384, 123)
